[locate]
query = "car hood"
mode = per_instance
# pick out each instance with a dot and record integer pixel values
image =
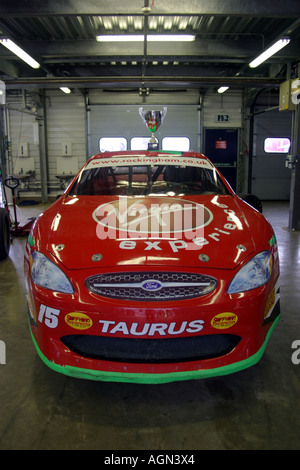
(206, 231)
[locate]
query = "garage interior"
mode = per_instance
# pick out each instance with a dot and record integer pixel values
(46, 135)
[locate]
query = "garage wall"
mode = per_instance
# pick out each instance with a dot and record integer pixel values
(66, 126)
(183, 115)
(109, 114)
(65, 119)
(21, 131)
(228, 103)
(117, 114)
(125, 121)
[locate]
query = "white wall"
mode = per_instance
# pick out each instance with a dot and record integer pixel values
(125, 121)
(21, 130)
(229, 103)
(66, 124)
(112, 114)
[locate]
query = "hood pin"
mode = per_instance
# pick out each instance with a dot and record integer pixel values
(97, 257)
(241, 247)
(203, 258)
(59, 247)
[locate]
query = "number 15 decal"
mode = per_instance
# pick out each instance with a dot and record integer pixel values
(49, 316)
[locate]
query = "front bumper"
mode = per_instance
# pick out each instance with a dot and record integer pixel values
(108, 340)
(155, 378)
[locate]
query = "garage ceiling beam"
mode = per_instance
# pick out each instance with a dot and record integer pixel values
(135, 82)
(266, 8)
(200, 50)
(203, 47)
(9, 68)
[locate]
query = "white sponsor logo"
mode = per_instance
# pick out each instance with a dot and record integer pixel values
(153, 217)
(216, 234)
(150, 329)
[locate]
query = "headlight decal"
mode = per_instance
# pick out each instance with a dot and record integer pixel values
(45, 273)
(255, 273)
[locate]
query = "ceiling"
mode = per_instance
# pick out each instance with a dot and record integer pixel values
(61, 36)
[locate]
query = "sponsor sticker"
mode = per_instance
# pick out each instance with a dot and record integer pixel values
(161, 159)
(224, 320)
(79, 321)
(270, 303)
(150, 329)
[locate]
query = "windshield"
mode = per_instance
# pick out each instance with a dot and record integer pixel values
(155, 178)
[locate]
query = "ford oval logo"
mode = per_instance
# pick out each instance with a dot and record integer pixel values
(151, 285)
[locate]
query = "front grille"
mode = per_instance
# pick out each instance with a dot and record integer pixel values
(151, 351)
(151, 286)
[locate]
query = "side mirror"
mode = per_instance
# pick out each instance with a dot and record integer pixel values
(253, 201)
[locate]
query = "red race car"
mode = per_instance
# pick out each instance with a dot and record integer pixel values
(150, 269)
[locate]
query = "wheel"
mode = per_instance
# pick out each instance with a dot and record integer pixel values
(4, 234)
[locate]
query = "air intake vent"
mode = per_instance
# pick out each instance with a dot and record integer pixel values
(151, 350)
(151, 286)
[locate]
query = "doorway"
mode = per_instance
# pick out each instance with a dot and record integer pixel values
(221, 147)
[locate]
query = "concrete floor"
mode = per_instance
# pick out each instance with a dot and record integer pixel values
(258, 408)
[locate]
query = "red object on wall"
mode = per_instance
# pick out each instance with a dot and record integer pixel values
(221, 144)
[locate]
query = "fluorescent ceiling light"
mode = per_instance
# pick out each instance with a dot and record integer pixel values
(170, 37)
(120, 38)
(222, 89)
(150, 37)
(20, 53)
(269, 52)
(65, 89)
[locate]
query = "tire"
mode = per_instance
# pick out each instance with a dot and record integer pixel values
(4, 234)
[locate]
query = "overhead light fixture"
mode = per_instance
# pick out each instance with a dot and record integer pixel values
(269, 52)
(20, 53)
(65, 89)
(141, 37)
(222, 89)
